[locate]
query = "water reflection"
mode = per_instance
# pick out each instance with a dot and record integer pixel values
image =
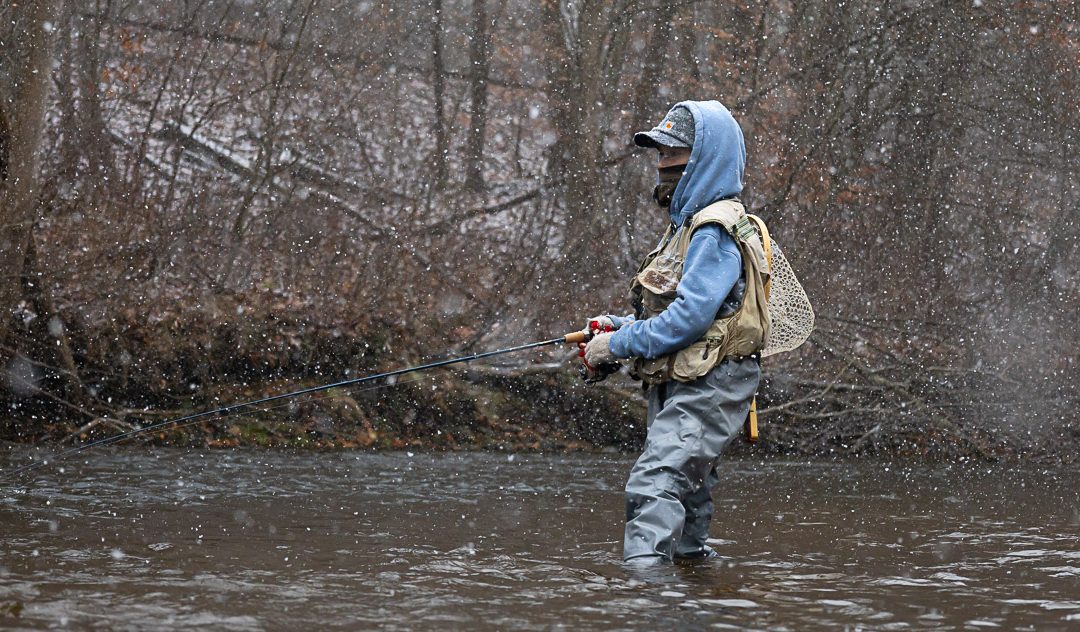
(267, 540)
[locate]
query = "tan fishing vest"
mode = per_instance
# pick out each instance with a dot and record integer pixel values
(653, 289)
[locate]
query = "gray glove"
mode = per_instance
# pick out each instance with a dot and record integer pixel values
(603, 321)
(598, 351)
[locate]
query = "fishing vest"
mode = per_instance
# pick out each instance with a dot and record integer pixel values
(737, 334)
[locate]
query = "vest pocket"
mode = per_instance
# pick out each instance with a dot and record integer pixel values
(653, 371)
(661, 277)
(699, 358)
(751, 330)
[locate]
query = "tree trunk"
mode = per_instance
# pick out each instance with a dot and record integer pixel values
(478, 57)
(92, 129)
(584, 69)
(438, 86)
(24, 111)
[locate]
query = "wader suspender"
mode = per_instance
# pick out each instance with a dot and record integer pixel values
(766, 243)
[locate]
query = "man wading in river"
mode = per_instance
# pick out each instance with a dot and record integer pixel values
(700, 320)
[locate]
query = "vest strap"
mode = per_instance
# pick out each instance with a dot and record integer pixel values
(766, 244)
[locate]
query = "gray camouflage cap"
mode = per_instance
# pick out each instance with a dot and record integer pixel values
(676, 130)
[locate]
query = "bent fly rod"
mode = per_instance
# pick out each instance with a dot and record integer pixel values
(571, 338)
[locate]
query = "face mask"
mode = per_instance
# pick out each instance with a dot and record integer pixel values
(667, 181)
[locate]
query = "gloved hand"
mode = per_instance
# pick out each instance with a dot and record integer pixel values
(604, 322)
(598, 351)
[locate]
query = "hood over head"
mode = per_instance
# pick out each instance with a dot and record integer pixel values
(717, 161)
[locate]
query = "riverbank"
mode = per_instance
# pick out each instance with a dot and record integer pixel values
(132, 372)
(542, 410)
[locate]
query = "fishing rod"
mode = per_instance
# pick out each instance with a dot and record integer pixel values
(571, 338)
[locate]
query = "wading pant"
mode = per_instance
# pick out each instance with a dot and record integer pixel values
(668, 499)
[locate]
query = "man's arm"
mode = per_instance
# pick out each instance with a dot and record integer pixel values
(711, 269)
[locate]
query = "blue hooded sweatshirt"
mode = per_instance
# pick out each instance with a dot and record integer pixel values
(713, 265)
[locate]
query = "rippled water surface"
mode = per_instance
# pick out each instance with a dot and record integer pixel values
(130, 539)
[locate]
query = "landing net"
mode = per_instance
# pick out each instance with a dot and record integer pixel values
(790, 314)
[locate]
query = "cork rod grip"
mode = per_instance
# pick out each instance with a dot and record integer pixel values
(576, 337)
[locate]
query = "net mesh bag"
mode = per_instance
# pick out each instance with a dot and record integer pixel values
(790, 314)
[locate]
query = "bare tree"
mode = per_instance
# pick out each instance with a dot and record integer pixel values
(438, 89)
(23, 103)
(479, 53)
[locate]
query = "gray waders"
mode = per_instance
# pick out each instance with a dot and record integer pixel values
(668, 499)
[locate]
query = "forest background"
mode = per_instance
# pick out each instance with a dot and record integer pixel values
(210, 200)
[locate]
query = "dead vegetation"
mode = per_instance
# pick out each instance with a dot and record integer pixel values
(225, 202)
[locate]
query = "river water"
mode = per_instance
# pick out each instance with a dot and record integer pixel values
(254, 540)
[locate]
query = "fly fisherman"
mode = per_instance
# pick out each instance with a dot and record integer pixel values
(700, 320)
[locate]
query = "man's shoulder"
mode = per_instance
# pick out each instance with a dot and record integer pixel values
(725, 212)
